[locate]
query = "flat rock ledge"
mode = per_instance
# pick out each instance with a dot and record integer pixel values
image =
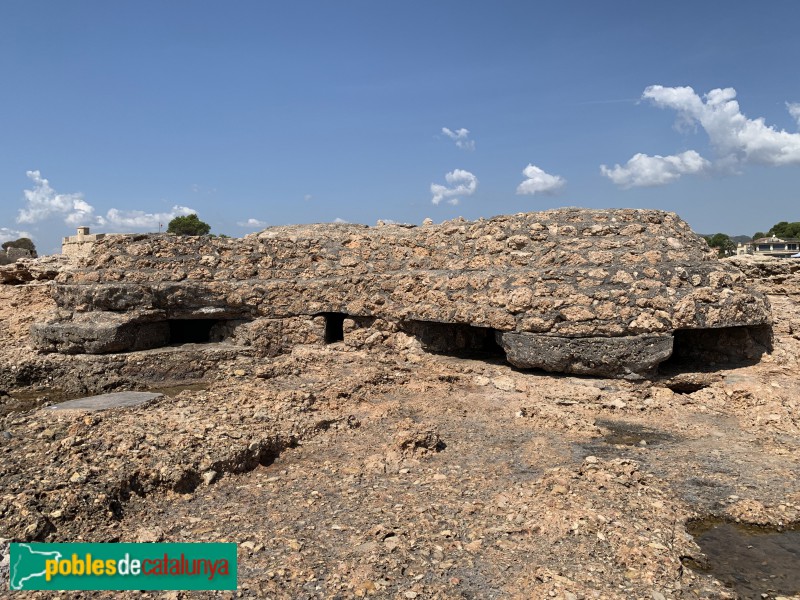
(106, 401)
(601, 292)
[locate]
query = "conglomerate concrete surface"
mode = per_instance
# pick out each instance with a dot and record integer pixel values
(609, 293)
(379, 470)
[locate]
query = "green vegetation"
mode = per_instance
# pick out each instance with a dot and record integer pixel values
(785, 230)
(24, 243)
(782, 230)
(722, 242)
(188, 225)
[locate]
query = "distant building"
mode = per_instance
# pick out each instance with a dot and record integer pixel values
(80, 244)
(11, 255)
(770, 246)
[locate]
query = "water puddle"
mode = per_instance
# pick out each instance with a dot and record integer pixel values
(24, 400)
(631, 434)
(20, 401)
(622, 439)
(755, 562)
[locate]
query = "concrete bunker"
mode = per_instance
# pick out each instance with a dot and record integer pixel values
(587, 292)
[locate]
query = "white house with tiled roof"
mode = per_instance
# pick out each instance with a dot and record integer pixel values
(771, 246)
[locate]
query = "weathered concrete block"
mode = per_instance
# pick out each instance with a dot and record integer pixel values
(629, 357)
(99, 333)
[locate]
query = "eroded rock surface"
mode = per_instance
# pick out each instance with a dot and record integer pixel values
(369, 468)
(571, 290)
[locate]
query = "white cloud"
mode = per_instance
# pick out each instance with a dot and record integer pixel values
(460, 137)
(643, 170)
(7, 234)
(307, 197)
(539, 182)
(82, 213)
(794, 110)
(129, 220)
(199, 189)
(462, 183)
(43, 202)
(338, 220)
(735, 138)
(252, 223)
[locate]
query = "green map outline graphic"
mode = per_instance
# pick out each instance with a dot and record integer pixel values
(14, 582)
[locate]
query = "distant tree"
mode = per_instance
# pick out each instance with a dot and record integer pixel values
(188, 225)
(723, 243)
(785, 229)
(24, 243)
(759, 234)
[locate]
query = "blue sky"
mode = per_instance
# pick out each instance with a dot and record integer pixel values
(122, 114)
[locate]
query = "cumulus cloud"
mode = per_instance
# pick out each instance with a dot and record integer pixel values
(199, 189)
(539, 182)
(43, 202)
(82, 213)
(338, 220)
(252, 223)
(794, 110)
(460, 182)
(643, 170)
(7, 234)
(131, 220)
(735, 139)
(460, 137)
(733, 136)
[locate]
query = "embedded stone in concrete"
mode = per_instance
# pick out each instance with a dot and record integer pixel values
(630, 357)
(107, 401)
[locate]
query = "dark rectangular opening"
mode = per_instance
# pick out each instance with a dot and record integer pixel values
(456, 339)
(700, 349)
(334, 327)
(190, 331)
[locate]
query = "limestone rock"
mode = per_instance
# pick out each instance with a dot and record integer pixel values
(25, 270)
